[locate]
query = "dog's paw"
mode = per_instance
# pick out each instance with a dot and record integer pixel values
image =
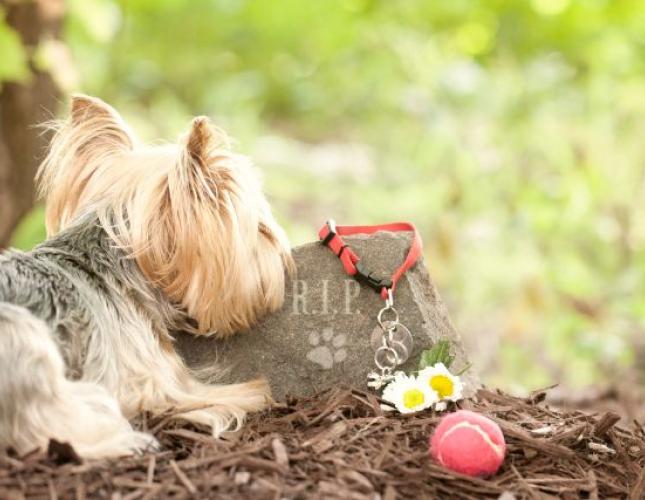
(327, 348)
(255, 395)
(142, 442)
(121, 444)
(131, 443)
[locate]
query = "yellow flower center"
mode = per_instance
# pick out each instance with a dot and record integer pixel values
(412, 398)
(442, 385)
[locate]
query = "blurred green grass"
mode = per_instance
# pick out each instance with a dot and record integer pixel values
(510, 132)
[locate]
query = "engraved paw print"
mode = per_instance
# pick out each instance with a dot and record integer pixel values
(327, 348)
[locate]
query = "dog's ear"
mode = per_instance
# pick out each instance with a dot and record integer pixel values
(93, 132)
(91, 114)
(84, 107)
(199, 138)
(203, 137)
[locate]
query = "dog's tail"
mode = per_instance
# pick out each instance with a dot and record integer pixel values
(38, 403)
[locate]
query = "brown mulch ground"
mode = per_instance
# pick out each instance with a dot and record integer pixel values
(341, 445)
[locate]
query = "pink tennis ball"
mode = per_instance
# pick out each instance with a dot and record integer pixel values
(468, 443)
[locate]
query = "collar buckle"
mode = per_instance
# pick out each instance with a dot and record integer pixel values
(369, 278)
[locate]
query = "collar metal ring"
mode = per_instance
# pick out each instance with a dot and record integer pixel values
(380, 319)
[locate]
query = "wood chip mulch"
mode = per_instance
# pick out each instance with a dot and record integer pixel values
(341, 444)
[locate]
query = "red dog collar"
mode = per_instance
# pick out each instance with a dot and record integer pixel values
(330, 236)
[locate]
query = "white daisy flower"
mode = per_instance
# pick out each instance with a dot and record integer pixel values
(448, 387)
(408, 394)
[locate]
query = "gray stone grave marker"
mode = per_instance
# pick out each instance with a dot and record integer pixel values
(321, 336)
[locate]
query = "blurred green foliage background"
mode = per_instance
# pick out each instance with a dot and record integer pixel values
(510, 131)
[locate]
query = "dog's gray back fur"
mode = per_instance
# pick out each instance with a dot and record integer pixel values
(70, 282)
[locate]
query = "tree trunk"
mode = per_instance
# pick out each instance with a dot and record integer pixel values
(22, 106)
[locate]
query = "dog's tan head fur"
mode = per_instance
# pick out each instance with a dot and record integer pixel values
(192, 215)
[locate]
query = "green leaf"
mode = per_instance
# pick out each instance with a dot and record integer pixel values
(440, 353)
(13, 62)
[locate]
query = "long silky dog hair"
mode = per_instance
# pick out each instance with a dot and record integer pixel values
(142, 241)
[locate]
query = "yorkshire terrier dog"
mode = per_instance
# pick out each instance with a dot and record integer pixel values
(142, 241)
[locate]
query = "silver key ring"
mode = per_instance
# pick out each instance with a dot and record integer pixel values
(380, 320)
(388, 351)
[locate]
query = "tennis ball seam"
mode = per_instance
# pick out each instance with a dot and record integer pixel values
(497, 449)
